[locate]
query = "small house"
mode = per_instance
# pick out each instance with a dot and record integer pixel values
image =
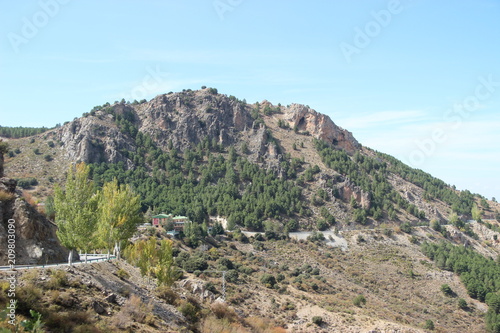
(179, 222)
(161, 219)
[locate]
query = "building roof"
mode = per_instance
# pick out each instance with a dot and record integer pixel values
(162, 216)
(180, 218)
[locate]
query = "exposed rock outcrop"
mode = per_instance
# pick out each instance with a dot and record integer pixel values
(92, 140)
(321, 127)
(348, 190)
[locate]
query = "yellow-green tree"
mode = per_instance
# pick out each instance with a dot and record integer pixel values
(119, 214)
(154, 261)
(75, 207)
(476, 213)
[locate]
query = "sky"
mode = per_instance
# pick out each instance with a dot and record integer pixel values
(417, 79)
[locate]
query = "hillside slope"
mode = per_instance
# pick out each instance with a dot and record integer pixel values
(293, 143)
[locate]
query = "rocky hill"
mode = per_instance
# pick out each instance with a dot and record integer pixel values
(133, 135)
(36, 241)
(271, 170)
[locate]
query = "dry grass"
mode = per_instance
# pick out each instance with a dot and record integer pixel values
(6, 196)
(167, 294)
(212, 324)
(134, 310)
(58, 279)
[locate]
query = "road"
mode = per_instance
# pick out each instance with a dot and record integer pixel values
(91, 258)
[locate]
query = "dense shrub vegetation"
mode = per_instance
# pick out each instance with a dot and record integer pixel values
(203, 182)
(20, 132)
(481, 276)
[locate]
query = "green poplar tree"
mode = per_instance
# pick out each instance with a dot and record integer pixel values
(75, 207)
(119, 214)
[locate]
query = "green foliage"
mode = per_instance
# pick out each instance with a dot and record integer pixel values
(429, 325)
(119, 213)
(359, 300)
(4, 146)
(200, 184)
(462, 304)
(371, 175)
(476, 213)
(154, 260)
(195, 263)
(434, 188)
(316, 237)
(35, 324)
(268, 280)
(322, 225)
(406, 227)
(445, 288)
(21, 132)
(481, 276)
(436, 225)
(75, 207)
(317, 320)
(27, 183)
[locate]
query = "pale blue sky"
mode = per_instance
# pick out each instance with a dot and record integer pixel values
(392, 72)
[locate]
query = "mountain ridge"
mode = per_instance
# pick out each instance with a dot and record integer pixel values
(266, 134)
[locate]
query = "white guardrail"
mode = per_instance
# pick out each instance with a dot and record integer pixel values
(91, 258)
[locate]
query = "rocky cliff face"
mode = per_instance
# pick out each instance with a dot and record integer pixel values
(185, 119)
(36, 240)
(95, 140)
(321, 127)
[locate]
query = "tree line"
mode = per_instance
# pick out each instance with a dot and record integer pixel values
(20, 132)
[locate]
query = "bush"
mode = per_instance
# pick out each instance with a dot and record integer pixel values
(429, 325)
(26, 183)
(317, 320)
(225, 264)
(462, 304)
(316, 237)
(167, 294)
(406, 227)
(268, 280)
(47, 158)
(359, 300)
(222, 311)
(232, 275)
(195, 264)
(189, 310)
(445, 288)
(122, 274)
(58, 279)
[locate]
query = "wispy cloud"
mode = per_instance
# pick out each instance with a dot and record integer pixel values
(376, 119)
